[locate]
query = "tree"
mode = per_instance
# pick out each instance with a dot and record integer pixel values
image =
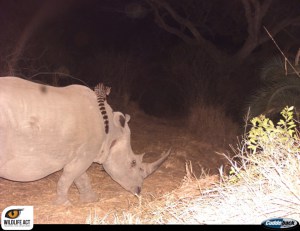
(45, 11)
(188, 21)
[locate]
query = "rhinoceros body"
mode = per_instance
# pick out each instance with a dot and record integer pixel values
(44, 129)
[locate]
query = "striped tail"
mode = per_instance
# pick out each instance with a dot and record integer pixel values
(101, 92)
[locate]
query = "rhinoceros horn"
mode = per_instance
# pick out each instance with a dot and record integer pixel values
(151, 167)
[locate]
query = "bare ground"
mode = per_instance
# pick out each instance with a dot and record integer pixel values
(148, 135)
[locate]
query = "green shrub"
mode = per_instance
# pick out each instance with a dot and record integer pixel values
(263, 131)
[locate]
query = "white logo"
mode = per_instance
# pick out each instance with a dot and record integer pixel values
(17, 218)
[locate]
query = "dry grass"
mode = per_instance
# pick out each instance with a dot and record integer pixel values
(263, 185)
(209, 122)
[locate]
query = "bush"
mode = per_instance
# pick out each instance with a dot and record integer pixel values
(281, 86)
(264, 132)
(211, 124)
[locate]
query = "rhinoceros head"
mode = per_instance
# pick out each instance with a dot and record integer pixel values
(122, 164)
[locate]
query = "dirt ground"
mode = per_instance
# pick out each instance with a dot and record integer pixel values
(148, 135)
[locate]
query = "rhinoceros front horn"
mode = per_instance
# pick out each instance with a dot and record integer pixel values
(151, 167)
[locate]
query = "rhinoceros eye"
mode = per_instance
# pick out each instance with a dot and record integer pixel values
(133, 163)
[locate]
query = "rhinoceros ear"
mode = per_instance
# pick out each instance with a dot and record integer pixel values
(127, 117)
(120, 119)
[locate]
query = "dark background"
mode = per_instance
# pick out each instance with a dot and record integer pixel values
(167, 56)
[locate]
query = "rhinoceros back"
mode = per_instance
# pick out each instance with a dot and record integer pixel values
(42, 128)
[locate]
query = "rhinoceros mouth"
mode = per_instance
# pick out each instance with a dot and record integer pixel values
(137, 190)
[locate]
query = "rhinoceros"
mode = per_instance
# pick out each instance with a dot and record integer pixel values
(44, 129)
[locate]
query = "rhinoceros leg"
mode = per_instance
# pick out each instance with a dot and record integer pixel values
(75, 170)
(84, 186)
(63, 186)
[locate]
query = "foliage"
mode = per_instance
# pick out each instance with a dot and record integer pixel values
(263, 131)
(281, 86)
(234, 176)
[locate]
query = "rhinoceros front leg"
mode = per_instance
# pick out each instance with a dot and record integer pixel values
(84, 186)
(63, 186)
(68, 177)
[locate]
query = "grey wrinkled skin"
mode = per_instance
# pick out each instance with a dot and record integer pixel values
(44, 129)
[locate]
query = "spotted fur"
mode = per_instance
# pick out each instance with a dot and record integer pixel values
(101, 92)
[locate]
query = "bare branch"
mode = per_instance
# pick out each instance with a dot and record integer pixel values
(297, 58)
(254, 13)
(182, 21)
(279, 27)
(265, 7)
(173, 30)
(197, 38)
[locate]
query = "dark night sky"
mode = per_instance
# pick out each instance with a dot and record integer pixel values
(114, 42)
